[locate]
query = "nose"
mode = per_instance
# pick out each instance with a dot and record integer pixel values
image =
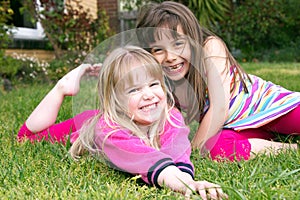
(170, 56)
(148, 93)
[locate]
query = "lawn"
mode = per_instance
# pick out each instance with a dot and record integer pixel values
(45, 171)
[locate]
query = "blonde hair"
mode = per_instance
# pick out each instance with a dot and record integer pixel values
(170, 15)
(111, 77)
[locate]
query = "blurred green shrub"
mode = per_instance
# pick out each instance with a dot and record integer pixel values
(5, 14)
(69, 27)
(71, 30)
(262, 29)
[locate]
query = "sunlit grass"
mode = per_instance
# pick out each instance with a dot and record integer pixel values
(284, 74)
(45, 171)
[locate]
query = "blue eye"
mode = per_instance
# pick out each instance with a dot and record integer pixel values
(179, 43)
(156, 83)
(133, 90)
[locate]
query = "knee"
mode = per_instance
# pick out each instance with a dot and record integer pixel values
(227, 145)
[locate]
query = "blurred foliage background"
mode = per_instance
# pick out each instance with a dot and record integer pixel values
(255, 31)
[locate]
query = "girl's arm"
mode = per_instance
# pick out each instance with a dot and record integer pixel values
(174, 179)
(218, 83)
(129, 153)
(44, 115)
(170, 166)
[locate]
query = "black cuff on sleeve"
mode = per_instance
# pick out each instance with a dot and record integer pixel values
(156, 169)
(187, 168)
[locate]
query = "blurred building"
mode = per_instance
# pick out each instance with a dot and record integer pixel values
(29, 37)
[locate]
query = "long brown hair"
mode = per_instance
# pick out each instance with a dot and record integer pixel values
(169, 14)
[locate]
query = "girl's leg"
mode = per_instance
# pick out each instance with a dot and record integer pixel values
(286, 124)
(233, 145)
(58, 132)
(55, 133)
(44, 115)
(268, 147)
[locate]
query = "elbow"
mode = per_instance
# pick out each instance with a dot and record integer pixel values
(220, 110)
(224, 110)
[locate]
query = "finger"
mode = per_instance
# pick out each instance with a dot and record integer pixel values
(212, 193)
(85, 66)
(200, 188)
(207, 190)
(202, 193)
(215, 192)
(187, 195)
(221, 194)
(93, 73)
(97, 65)
(189, 191)
(95, 69)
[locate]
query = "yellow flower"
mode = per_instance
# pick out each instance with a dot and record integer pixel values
(10, 11)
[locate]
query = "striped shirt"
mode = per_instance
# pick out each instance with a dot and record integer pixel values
(264, 102)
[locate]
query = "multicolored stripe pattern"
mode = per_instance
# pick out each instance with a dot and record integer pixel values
(265, 102)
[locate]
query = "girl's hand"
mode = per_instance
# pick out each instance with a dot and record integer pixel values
(69, 84)
(206, 190)
(93, 70)
(196, 143)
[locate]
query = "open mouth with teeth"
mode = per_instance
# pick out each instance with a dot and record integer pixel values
(148, 108)
(174, 69)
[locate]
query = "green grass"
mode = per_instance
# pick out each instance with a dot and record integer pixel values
(44, 171)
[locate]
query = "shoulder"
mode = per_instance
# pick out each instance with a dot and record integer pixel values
(106, 127)
(214, 46)
(176, 115)
(213, 41)
(175, 111)
(175, 122)
(174, 127)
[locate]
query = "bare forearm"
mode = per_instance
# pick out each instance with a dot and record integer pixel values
(44, 115)
(211, 124)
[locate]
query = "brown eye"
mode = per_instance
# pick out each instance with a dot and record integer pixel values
(156, 50)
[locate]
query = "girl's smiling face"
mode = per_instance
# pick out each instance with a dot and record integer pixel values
(173, 53)
(144, 95)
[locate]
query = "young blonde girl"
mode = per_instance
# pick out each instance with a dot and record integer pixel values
(136, 128)
(238, 113)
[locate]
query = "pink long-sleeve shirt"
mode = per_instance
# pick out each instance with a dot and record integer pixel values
(129, 153)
